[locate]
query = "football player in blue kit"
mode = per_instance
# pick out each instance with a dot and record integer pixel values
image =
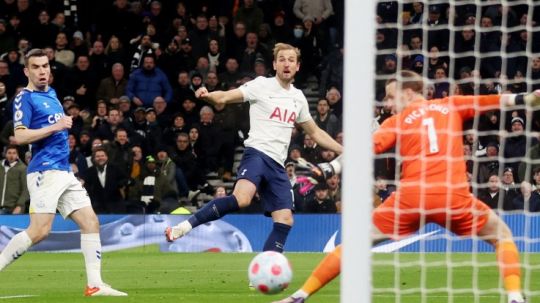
(39, 119)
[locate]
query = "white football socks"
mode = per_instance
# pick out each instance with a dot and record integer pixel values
(91, 249)
(16, 247)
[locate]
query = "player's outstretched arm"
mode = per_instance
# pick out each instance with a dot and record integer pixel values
(220, 97)
(321, 137)
(25, 135)
(529, 99)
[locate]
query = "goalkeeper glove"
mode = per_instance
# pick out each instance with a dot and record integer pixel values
(319, 172)
(323, 171)
(531, 99)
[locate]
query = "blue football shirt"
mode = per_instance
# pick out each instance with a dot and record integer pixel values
(35, 110)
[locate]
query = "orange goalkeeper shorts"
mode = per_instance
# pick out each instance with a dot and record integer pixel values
(404, 213)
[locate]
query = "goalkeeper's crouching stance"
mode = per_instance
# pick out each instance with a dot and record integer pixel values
(429, 187)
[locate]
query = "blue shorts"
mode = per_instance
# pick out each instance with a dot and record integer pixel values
(269, 177)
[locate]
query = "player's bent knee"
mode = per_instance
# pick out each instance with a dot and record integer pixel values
(90, 226)
(244, 200)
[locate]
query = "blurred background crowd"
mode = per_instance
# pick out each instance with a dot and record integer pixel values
(465, 48)
(126, 71)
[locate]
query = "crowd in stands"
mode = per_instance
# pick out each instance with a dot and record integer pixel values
(471, 48)
(126, 71)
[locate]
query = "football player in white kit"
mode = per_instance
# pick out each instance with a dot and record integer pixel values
(276, 106)
(39, 119)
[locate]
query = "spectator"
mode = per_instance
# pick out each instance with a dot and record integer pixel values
(382, 189)
(508, 184)
(105, 183)
(489, 164)
(79, 45)
(184, 158)
(321, 201)
(212, 82)
(7, 41)
(530, 163)
(334, 189)
(98, 59)
(200, 36)
(528, 200)
(81, 82)
(75, 156)
(106, 129)
(119, 150)
(281, 30)
(266, 39)
(45, 32)
(190, 112)
(163, 114)
(494, 196)
(148, 82)
(224, 120)
(515, 145)
(63, 54)
(14, 194)
(236, 43)
(252, 51)
(186, 53)
(74, 111)
(215, 57)
(170, 60)
(57, 69)
(113, 86)
(136, 172)
(210, 141)
(332, 74)
(166, 190)
(251, 15)
(325, 119)
(319, 10)
(231, 75)
(310, 150)
(336, 103)
(171, 132)
(115, 52)
(145, 48)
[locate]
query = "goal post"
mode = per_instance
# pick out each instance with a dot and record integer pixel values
(359, 72)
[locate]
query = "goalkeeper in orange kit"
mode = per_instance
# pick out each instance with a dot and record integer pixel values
(433, 186)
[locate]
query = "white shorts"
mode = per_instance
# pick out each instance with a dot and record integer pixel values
(56, 189)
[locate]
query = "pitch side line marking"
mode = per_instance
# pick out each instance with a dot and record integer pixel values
(17, 296)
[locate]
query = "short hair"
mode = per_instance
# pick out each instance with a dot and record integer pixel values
(36, 52)
(11, 146)
(408, 79)
(206, 109)
(284, 46)
(99, 149)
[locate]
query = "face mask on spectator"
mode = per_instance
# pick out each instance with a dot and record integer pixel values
(298, 32)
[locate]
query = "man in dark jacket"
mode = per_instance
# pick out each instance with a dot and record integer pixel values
(105, 183)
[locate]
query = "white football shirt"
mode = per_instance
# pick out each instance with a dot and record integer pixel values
(272, 115)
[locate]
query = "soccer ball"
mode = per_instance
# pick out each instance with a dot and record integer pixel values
(270, 272)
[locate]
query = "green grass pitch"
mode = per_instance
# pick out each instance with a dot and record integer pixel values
(151, 276)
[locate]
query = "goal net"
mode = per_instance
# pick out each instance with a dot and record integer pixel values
(465, 48)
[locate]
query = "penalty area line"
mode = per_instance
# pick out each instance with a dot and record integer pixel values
(17, 296)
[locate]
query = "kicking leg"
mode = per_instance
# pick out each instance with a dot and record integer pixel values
(215, 209)
(39, 228)
(327, 270)
(497, 233)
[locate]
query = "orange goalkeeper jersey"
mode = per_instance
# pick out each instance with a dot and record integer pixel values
(428, 136)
